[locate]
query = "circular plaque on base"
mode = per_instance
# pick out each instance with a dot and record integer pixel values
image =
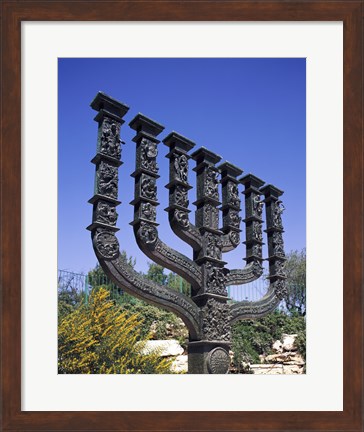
(218, 361)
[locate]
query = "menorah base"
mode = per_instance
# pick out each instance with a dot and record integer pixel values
(208, 357)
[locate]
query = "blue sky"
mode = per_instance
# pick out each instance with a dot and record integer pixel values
(252, 112)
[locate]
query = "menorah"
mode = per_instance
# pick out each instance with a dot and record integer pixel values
(208, 312)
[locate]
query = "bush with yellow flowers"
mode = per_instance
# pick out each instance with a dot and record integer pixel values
(99, 338)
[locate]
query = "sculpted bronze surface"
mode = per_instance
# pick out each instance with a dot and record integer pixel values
(208, 314)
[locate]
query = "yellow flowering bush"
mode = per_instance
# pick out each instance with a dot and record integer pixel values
(99, 338)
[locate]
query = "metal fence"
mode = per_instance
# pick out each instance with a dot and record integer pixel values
(252, 291)
(83, 284)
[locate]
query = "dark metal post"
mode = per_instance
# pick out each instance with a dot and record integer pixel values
(276, 256)
(107, 160)
(253, 220)
(146, 174)
(230, 205)
(211, 353)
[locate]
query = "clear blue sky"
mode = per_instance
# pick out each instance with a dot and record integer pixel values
(250, 111)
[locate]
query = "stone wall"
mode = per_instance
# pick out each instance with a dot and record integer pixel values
(286, 360)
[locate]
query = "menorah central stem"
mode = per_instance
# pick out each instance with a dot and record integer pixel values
(210, 355)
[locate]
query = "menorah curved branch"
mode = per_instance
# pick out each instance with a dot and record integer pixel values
(162, 254)
(106, 246)
(254, 238)
(122, 274)
(146, 201)
(208, 313)
(277, 290)
(249, 273)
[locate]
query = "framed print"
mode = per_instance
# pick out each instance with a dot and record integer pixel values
(34, 36)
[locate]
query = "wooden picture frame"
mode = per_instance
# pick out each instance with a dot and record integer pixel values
(13, 13)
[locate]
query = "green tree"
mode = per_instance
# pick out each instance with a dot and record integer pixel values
(177, 283)
(163, 323)
(100, 338)
(69, 296)
(296, 282)
(97, 278)
(156, 274)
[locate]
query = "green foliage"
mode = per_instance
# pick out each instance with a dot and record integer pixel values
(152, 315)
(97, 278)
(69, 298)
(296, 282)
(164, 323)
(99, 338)
(252, 338)
(177, 283)
(301, 343)
(156, 273)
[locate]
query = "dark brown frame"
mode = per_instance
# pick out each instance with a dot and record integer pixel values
(15, 11)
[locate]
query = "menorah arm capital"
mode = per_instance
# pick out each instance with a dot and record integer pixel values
(123, 275)
(230, 240)
(151, 245)
(249, 273)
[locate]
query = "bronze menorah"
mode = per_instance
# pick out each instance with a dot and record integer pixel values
(207, 313)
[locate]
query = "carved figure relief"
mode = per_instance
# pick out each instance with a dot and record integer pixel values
(181, 167)
(257, 231)
(106, 213)
(182, 218)
(278, 244)
(257, 206)
(233, 194)
(216, 320)
(234, 238)
(213, 246)
(148, 211)
(280, 268)
(215, 279)
(148, 154)
(211, 184)
(110, 143)
(234, 218)
(149, 188)
(210, 216)
(107, 244)
(181, 196)
(257, 268)
(257, 250)
(147, 233)
(107, 180)
(277, 214)
(280, 289)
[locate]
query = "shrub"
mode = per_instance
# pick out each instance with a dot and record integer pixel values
(252, 338)
(100, 338)
(166, 325)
